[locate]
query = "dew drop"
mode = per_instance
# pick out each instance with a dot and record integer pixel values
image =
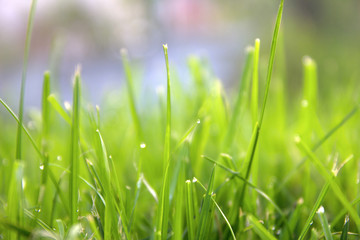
(41, 167)
(37, 210)
(142, 145)
(304, 103)
(59, 158)
(198, 121)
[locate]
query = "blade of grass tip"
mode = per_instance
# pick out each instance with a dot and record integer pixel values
(163, 211)
(257, 127)
(58, 108)
(335, 187)
(205, 217)
(74, 150)
(190, 212)
(255, 83)
(23, 77)
(324, 223)
(271, 59)
(345, 230)
(260, 230)
(241, 99)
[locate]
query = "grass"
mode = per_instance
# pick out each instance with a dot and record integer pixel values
(129, 170)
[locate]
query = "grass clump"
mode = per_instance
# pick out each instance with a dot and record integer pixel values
(124, 171)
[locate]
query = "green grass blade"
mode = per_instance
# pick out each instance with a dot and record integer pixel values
(324, 223)
(163, 211)
(345, 230)
(23, 77)
(335, 187)
(74, 152)
(205, 217)
(45, 106)
(257, 127)
(271, 60)
(316, 206)
(260, 230)
(255, 83)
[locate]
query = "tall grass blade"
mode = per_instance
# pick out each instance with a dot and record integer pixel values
(163, 209)
(74, 151)
(257, 127)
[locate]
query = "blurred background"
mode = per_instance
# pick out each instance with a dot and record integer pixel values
(91, 33)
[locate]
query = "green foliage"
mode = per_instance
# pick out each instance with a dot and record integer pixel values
(120, 171)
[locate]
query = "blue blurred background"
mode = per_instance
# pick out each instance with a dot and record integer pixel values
(91, 33)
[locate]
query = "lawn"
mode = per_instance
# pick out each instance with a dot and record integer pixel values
(256, 161)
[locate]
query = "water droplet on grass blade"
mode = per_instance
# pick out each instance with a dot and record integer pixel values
(142, 145)
(41, 167)
(304, 103)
